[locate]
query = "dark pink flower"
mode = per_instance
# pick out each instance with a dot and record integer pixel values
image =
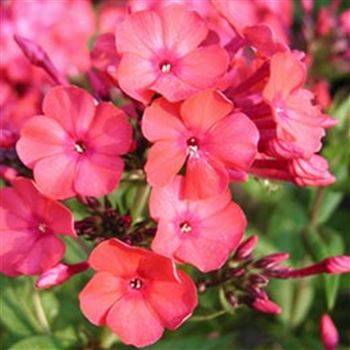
(202, 232)
(29, 224)
(160, 52)
(329, 333)
(136, 293)
(202, 133)
(75, 147)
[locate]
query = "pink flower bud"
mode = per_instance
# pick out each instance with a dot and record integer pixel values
(307, 5)
(246, 247)
(272, 260)
(60, 274)
(329, 333)
(266, 306)
(7, 173)
(7, 138)
(38, 57)
(337, 264)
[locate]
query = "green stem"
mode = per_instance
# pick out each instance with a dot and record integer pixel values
(141, 202)
(208, 317)
(40, 313)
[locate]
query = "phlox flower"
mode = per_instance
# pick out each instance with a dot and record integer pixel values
(202, 232)
(75, 147)
(160, 52)
(203, 134)
(299, 125)
(136, 293)
(29, 224)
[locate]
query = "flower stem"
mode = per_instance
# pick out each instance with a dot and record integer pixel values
(208, 317)
(40, 312)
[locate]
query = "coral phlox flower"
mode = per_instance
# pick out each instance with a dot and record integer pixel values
(29, 224)
(202, 232)
(136, 293)
(204, 134)
(299, 125)
(160, 52)
(75, 147)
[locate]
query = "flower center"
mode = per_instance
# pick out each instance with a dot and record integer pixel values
(165, 67)
(185, 227)
(192, 146)
(136, 283)
(79, 147)
(42, 228)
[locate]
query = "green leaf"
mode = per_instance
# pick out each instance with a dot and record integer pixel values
(41, 342)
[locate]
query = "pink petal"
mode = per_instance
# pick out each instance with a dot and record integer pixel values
(165, 159)
(233, 141)
(71, 107)
(165, 201)
(205, 177)
(59, 218)
(97, 174)
(287, 74)
(203, 67)
(134, 321)
(172, 87)
(161, 121)
(140, 34)
(55, 175)
(136, 75)
(204, 109)
(173, 302)
(46, 252)
(99, 295)
(40, 137)
(116, 257)
(110, 131)
(167, 239)
(183, 30)
(15, 246)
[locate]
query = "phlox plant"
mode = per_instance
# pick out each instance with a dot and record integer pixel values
(165, 162)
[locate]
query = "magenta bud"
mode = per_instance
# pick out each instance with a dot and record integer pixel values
(38, 57)
(266, 306)
(337, 264)
(237, 272)
(272, 260)
(7, 138)
(259, 280)
(231, 298)
(60, 274)
(246, 248)
(329, 333)
(7, 173)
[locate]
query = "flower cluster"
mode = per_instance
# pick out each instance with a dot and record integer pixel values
(188, 97)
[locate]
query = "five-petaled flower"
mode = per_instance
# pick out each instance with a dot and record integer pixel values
(29, 224)
(136, 293)
(204, 134)
(75, 147)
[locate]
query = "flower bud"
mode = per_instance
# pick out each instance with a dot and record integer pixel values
(60, 274)
(246, 248)
(329, 333)
(7, 138)
(337, 264)
(266, 306)
(7, 173)
(272, 260)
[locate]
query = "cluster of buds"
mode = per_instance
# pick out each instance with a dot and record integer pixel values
(245, 277)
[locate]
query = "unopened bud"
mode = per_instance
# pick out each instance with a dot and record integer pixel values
(329, 333)
(38, 57)
(60, 274)
(7, 173)
(266, 306)
(337, 264)
(246, 248)
(7, 138)
(231, 298)
(272, 260)
(257, 279)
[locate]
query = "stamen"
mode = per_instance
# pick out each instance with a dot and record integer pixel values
(185, 227)
(192, 148)
(79, 147)
(42, 228)
(165, 67)
(136, 283)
